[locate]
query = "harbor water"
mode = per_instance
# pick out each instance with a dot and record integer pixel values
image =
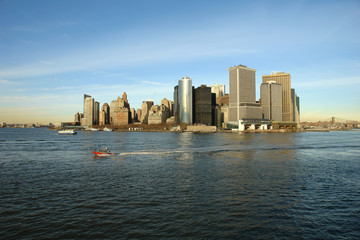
(179, 185)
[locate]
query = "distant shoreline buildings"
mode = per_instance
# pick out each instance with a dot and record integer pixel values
(278, 106)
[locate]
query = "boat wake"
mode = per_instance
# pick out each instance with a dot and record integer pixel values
(150, 153)
(182, 151)
(222, 149)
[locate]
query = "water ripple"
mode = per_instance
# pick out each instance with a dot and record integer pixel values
(179, 185)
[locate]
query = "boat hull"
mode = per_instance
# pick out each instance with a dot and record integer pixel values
(67, 132)
(100, 154)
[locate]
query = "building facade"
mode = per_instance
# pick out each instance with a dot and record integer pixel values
(176, 105)
(219, 90)
(295, 106)
(203, 105)
(285, 80)
(242, 99)
(88, 119)
(133, 116)
(96, 113)
(145, 109)
(166, 109)
(120, 111)
(271, 101)
(138, 115)
(78, 117)
(185, 100)
(104, 117)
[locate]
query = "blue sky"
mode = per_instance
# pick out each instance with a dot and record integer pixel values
(52, 52)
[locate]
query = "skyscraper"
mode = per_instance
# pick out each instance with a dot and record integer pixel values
(295, 106)
(104, 117)
(145, 108)
(88, 119)
(271, 100)
(285, 80)
(185, 100)
(242, 102)
(202, 105)
(176, 104)
(120, 111)
(96, 113)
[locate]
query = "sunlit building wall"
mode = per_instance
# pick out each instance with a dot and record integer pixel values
(271, 101)
(219, 90)
(242, 101)
(285, 80)
(88, 118)
(104, 117)
(145, 108)
(185, 98)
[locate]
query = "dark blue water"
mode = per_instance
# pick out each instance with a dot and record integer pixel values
(179, 185)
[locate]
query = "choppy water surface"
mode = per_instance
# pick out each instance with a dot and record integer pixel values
(179, 185)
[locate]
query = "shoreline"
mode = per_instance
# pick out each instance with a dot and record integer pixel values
(123, 129)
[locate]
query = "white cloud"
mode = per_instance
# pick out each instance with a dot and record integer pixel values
(3, 81)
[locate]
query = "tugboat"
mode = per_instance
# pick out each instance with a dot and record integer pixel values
(103, 152)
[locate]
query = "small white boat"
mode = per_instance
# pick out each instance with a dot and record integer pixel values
(92, 129)
(107, 129)
(67, 132)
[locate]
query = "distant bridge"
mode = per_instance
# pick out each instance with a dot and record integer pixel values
(338, 120)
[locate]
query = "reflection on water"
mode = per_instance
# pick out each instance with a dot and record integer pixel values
(179, 185)
(186, 145)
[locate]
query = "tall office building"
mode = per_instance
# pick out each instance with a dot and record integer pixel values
(166, 109)
(88, 119)
(104, 117)
(285, 80)
(120, 111)
(295, 106)
(176, 104)
(96, 113)
(185, 100)
(242, 102)
(78, 117)
(271, 101)
(133, 115)
(145, 108)
(138, 115)
(203, 105)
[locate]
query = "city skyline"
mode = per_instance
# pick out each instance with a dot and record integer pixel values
(54, 52)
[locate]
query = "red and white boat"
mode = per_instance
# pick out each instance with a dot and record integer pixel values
(103, 152)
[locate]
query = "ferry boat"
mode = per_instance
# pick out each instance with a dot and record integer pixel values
(67, 132)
